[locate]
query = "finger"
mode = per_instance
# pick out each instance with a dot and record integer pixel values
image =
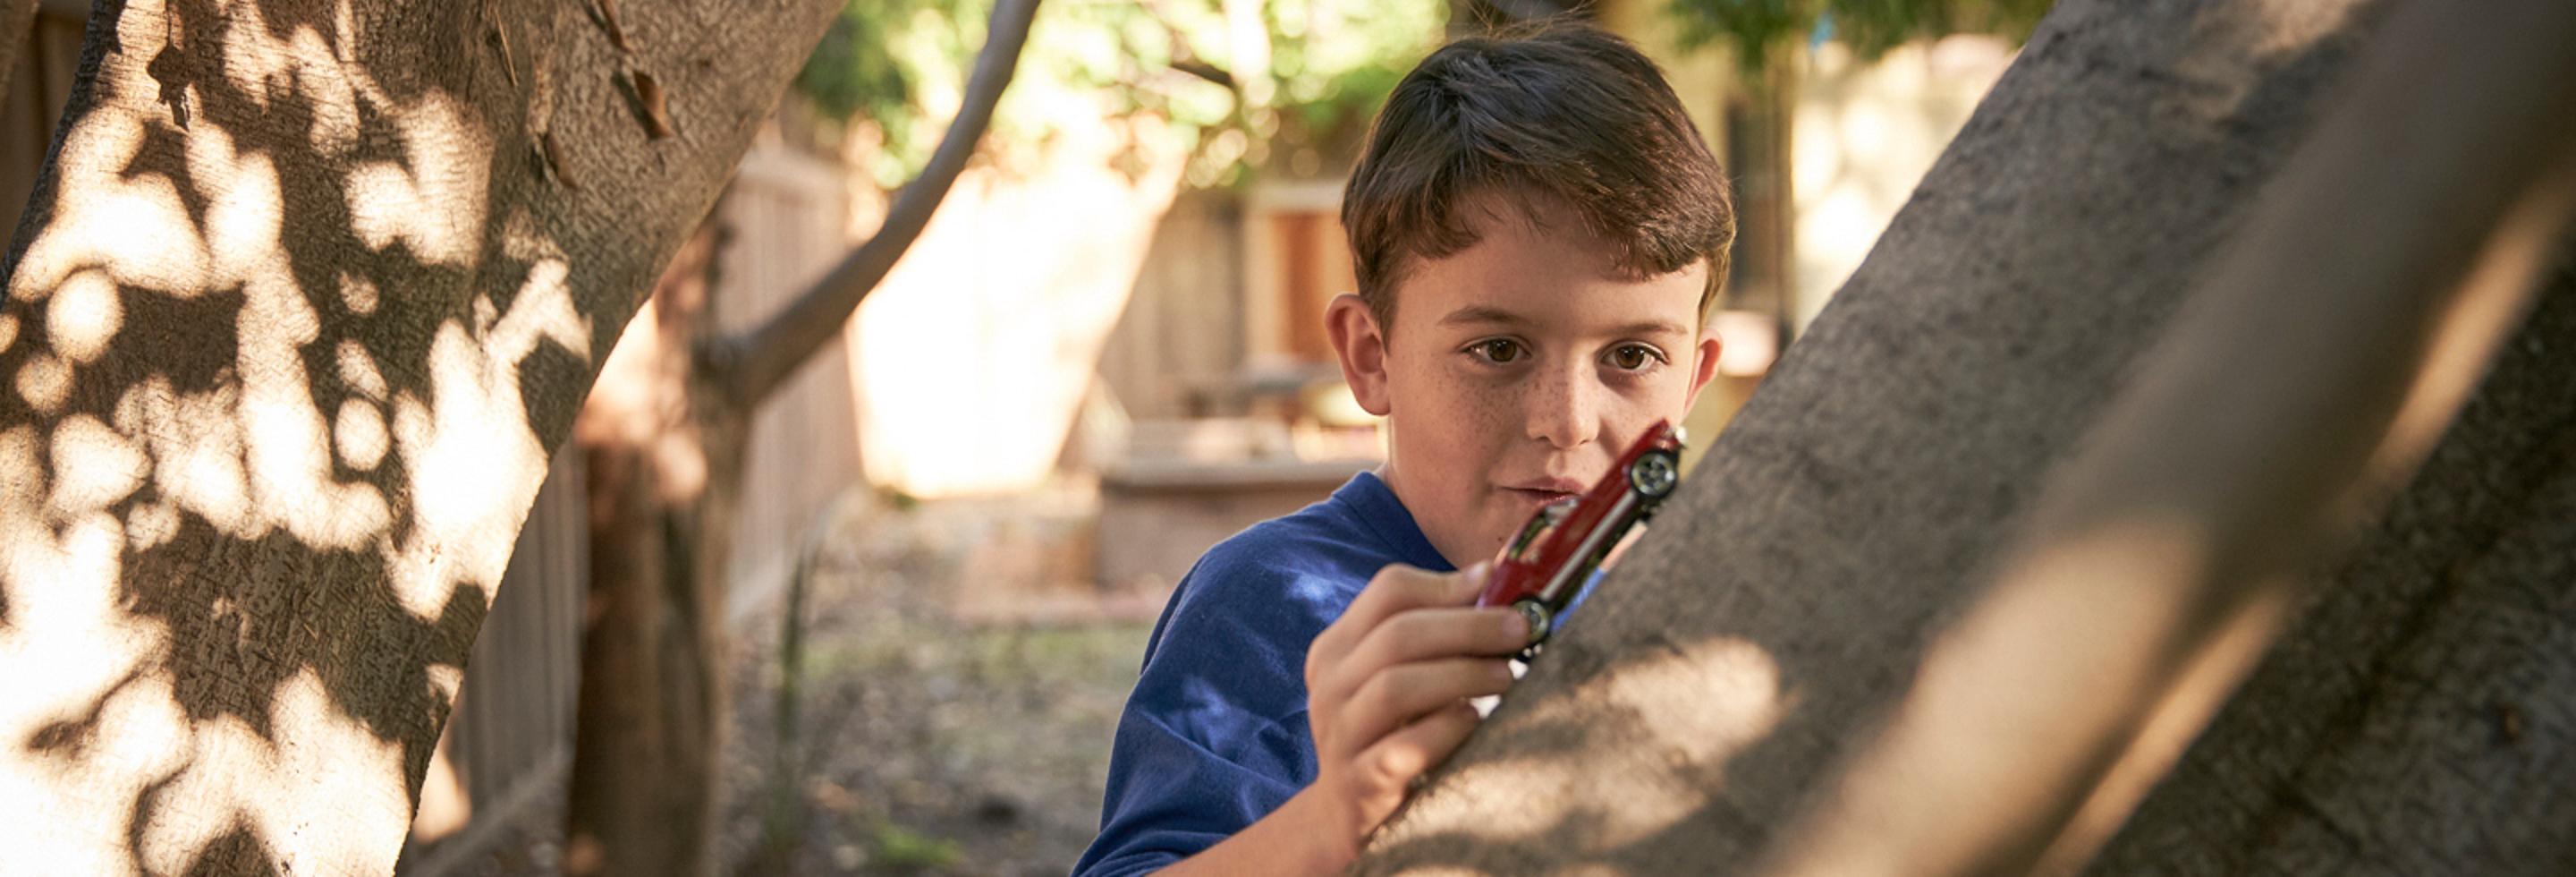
(1393, 765)
(1422, 635)
(1426, 634)
(1394, 589)
(1406, 692)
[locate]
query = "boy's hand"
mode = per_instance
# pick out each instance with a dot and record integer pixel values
(1387, 688)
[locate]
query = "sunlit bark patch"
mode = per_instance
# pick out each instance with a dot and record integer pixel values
(93, 467)
(140, 737)
(1711, 700)
(436, 205)
(358, 294)
(245, 210)
(349, 790)
(83, 316)
(137, 228)
(95, 729)
(196, 452)
(358, 370)
(44, 381)
(475, 464)
(359, 435)
(290, 449)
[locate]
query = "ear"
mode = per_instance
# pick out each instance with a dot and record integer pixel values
(1361, 344)
(1703, 361)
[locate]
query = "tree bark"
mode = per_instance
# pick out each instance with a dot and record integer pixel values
(2302, 384)
(1779, 611)
(17, 23)
(308, 294)
(666, 439)
(665, 470)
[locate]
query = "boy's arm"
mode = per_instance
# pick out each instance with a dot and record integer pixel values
(1387, 686)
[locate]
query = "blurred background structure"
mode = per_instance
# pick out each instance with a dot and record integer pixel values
(1103, 355)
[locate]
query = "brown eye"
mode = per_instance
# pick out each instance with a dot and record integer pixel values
(1498, 350)
(1632, 357)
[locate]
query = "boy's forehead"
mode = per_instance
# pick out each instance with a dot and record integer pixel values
(1545, 284)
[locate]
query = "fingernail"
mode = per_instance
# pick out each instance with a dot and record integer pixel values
(1516, 624)
(1476, 573)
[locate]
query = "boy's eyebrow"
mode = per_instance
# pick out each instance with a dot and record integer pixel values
(1651, 327)
(1485, 314)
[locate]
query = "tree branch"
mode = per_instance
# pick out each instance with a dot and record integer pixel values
(1207, 71)
(750, 366)
(1527, 10)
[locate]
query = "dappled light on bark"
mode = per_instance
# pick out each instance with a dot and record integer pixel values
(2305, 380)
(292, 326)
(1709, 700)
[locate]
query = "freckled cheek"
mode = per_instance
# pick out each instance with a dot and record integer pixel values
(1463, 425)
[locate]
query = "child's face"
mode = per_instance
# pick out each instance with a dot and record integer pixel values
(1518, 370)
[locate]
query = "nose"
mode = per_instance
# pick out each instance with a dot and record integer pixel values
(1563, 406)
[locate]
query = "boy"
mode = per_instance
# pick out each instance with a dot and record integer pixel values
(1538, 233)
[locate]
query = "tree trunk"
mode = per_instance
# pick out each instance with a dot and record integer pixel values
(2416, 717)
(307, 295)
(665, 464)
(666, 438)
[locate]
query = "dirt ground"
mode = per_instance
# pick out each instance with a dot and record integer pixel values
(960, 683)
(927, 744)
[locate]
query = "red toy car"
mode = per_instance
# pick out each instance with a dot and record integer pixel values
(1548, 562)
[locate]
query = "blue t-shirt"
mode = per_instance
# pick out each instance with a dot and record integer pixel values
(1215, 735)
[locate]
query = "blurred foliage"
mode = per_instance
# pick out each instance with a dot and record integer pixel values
(904, 849)
(1235, 86)
(1755, 28)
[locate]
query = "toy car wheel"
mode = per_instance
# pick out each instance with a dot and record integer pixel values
(1537, 615)
(1654, 474)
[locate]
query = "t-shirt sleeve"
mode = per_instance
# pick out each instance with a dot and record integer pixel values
(1214, 736)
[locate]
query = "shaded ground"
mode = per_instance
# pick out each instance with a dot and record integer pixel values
(928, 745)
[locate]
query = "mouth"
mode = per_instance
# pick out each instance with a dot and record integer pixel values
(1532, 496)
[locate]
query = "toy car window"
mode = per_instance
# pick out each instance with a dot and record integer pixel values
(1539, 526)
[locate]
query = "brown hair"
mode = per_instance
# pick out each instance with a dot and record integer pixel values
(1562, 111)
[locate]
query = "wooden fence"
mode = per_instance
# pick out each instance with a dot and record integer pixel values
(789, 216)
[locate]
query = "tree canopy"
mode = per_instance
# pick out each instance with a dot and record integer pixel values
(1756, 28)
(1286, 85)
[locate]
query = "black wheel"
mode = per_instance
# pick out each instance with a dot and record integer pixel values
(1655, 474)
